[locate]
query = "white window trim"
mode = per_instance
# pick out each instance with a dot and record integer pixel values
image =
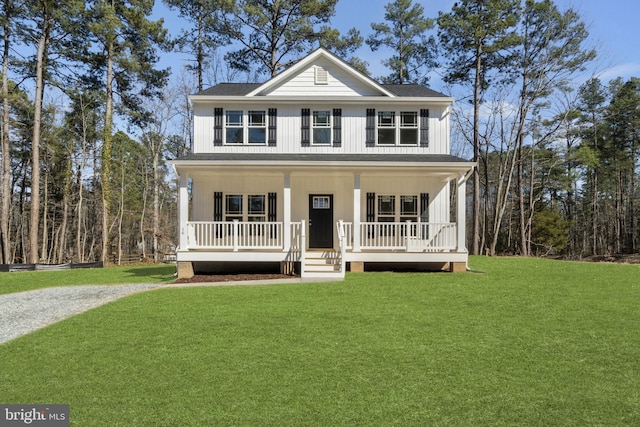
(397, 207)
(245, 207)
(313, 127)
(398, 127)
(245, 128)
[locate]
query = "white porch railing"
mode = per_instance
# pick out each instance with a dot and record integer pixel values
(405, 236)
(408, 236)
(235, 235)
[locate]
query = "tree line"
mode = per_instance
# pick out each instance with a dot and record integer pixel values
(89, 118)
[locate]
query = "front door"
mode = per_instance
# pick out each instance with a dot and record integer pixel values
(320, 221)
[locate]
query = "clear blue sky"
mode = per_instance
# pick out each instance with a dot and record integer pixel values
(614, 27)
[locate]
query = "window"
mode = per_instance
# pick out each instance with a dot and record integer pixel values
(408, 208)
(234, 127)
(321, 202)
(249, 127)
(233, 207)
(257, 127)
(386, 128)
(386, 208)
(321, 127)
(397, 128)
(256, 206)
(408, 127)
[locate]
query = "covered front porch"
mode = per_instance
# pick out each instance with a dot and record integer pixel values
(317, 218)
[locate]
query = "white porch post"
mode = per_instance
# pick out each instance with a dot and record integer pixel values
(287, 211)
(461, 214)
(183, 210)
(356, 212)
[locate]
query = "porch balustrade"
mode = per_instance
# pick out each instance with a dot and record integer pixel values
(235, 235)
(397, 236)
(408, 236)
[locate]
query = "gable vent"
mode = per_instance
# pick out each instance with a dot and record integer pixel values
(322, 76)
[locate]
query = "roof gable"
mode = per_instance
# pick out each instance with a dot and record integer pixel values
(321, 73)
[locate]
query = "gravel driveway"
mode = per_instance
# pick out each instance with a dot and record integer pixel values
(24, 312)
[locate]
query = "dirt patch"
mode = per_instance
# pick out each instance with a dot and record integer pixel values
(205, 278)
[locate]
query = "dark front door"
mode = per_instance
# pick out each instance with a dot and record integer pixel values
(320, 221)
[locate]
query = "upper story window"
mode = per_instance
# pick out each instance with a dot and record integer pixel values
(254, 132)
(397, 128)
(321, 127)
(257, 127)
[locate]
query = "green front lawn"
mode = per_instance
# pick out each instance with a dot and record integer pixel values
(526, 342)
(28, 280)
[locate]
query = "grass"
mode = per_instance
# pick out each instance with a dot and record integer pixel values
(28, 280)
(526, 342)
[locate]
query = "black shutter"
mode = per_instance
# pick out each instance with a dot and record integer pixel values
(273, 120)
(272, 208)
(217, 206)
(371, 207)
(371, 213)
(217, 126)
(337, 127)
(370, 140)
(424, 128)
(424, 214)
(272, 214)
(305, 136)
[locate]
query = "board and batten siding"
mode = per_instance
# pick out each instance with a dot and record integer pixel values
(289, 134)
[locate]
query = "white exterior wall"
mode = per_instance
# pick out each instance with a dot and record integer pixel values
(353, 130)
(205, 185)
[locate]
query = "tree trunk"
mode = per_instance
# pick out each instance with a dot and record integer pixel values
(5, 240)
(34, 223)
(475, 231)
(106, 155)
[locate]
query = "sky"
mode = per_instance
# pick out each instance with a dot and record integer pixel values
(613, 27)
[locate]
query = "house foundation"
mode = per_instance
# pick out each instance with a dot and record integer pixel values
(185, 269)
(457, 267)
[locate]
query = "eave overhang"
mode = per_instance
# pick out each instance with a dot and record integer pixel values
(443, 165)
(337, 100)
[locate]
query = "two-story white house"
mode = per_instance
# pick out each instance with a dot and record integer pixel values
(319, 170)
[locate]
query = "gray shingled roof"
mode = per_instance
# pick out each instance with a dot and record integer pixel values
(242, 89)
(315, 157)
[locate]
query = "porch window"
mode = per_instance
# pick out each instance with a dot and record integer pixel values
(386, 213)
(256, 206)
(386, 208)
(322, 127)
(408, 208)
(233, 207)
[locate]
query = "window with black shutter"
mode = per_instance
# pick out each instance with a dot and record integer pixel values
(273, 120)
(305, 138)
(337, 127)
(424, 128)
(217, 126)
(370, 140)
